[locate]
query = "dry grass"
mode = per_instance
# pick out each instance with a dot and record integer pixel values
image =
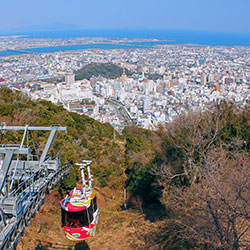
(117, 228)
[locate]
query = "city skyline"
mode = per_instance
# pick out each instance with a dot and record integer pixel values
(226, 16)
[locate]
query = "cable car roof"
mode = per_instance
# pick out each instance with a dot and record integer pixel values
(75, 202)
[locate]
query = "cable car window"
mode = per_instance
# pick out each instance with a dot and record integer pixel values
(84, 218)
(77, 219)
(91, 207)
(94, 204)
(63, 217)
(90, 212)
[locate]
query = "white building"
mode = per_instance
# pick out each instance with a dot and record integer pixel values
(69, 79)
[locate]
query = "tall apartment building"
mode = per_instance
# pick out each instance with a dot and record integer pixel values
(69, 79)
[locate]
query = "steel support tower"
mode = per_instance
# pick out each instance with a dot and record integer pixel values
(24, 180)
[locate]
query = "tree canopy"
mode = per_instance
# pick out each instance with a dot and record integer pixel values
(106, 70)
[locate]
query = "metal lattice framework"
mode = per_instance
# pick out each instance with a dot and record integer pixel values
(23, 183)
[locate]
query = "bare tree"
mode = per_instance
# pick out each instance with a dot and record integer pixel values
(226, 197)
(192, 135)
(216, 212)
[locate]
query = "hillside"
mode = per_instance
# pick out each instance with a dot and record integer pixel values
(85, 139)
(187, 183)
(107, 70)
(196, 168)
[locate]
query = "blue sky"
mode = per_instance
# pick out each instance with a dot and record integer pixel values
(207, 15)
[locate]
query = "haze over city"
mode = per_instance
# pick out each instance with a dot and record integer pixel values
(213, 15)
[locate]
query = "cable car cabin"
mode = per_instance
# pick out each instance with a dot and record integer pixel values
(79, 209)
(79, 217)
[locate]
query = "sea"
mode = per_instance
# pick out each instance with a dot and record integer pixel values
(165, 37)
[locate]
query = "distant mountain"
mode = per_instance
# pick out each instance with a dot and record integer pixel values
(44, 28)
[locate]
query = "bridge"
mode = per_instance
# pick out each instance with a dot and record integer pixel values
(24, 180)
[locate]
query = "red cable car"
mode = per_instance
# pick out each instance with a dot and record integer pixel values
(79, 209)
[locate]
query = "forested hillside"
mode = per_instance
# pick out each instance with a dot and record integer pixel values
(188, 183)
(85, 138)
(107, 70)
(198, 168)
